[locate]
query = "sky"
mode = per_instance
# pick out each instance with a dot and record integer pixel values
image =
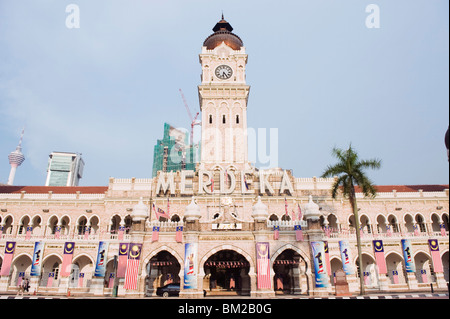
(319, 77)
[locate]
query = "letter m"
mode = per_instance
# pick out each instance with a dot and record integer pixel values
(165, 182)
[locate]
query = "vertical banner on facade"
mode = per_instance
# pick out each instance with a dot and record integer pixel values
(37, 259)
(410, 266)
(435, 255)
(131, 275)
(345, 256)
(100, 267)
(67, 258)
(318, 251)
(327, 258)
(263, 266)
(122, 262)
(190, 265)
(379, 256)
(7, 259)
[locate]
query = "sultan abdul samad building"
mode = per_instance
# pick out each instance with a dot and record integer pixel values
(226, 228)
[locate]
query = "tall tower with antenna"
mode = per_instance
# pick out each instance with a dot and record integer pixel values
(16, 158)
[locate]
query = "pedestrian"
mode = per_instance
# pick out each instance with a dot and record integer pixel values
(21, 287)
(27, 285)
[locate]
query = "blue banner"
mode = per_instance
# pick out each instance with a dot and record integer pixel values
(190, 266)
(100, 267)
(37, 259)
(407, 256)
(318, 250)
(345, 257)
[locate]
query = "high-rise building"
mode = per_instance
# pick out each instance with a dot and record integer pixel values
(172, 152)
(16, 158)
(64, 169)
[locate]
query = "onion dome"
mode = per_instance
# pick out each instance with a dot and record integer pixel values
(260, 211)
(192, 211)
(140, 211)
(312, 210)
(222, 33)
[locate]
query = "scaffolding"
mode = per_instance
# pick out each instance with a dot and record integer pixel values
(173, 152)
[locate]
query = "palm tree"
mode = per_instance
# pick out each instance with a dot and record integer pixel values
(349, 171)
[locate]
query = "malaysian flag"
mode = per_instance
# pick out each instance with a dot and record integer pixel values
(86, 232)
(123, 257)
(298, 232)
(435, 255)
(80, 279)
(286, 206)
(276, 232)
(161, 213)
(121, 231)
(51, 276)
(379, 256)
(155, 233)
(131, 276)
(179, 234)
(111, 280)
(212, 185)
(263, 266)
(168, 206)
(7, 259)
(67, 259)
(443, 232)
(57, 232)
(28, 235)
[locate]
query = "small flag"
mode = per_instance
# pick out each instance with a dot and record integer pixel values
(51, 276)
(168, 206)
(67, 259)
(388, 230)
(161, 213)
(155, 233)
(443, 232)
(20, 279)
(286, 206)
(395, 276)
(226, 177)
(57, 232)
(179, 234)
(131, 275)
(424, 276)
(80, 279)
(416, 230)
(276, 232)
(298, 232)
(28, 235)
(111, 280)
(212, 185)
(86, 232)
(122, 262)
(121, 231)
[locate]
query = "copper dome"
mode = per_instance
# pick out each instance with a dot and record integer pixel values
(222, 33)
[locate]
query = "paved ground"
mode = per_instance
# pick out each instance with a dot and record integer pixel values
(373, 296)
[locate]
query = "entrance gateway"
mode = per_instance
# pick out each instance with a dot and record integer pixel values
(226, 273)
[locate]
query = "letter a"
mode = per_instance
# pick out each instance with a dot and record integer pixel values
(373, 19)
(73, 19)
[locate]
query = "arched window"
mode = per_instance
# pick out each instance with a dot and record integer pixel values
(210, 119)
(237, 119)
(223, 119)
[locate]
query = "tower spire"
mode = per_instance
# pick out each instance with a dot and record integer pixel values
(16, 158)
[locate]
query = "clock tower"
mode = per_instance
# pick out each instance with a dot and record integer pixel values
(223, 95)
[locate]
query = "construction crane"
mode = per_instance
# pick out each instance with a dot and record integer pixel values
(193, 120)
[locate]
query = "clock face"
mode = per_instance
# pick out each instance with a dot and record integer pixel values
(224, 72)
